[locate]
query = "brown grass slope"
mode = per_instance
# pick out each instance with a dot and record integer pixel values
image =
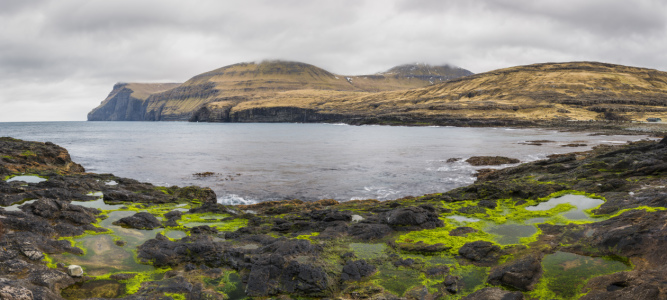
(548, 91)
(231, 85)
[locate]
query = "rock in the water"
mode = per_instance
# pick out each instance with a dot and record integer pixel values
(75, 271)
(142, 220)
(521, 274)
(480, 251)
(494, 293)
(491, 160)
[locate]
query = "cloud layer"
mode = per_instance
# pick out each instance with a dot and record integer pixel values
(60, 58)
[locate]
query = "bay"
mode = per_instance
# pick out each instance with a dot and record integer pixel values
(254, 162)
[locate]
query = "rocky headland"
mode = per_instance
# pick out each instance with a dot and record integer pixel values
(585, 225)
(573, 95)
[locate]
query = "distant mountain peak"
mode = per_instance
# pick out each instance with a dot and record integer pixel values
(426, 71)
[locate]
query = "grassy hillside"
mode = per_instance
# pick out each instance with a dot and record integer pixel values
(241, 82)
(551, 91)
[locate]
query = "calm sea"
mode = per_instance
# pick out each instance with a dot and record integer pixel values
(260, 162)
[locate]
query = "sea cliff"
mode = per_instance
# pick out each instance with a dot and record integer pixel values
(585, 225)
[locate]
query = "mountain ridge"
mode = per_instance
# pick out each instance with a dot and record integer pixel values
(278, 91)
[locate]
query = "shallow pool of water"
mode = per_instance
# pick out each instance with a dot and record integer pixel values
(566, 273)
(368, 251)
(510, 233)
(580, 201)
(15, 206)
(27, 178)
(463, 219)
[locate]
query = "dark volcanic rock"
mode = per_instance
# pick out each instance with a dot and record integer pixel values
(521, 274)
(452, 284)
(52, 279)
(142, 220)
(357, 269)
(413, 217)
(367, 232)
(494, 293)
(491, 160)
(482, 252)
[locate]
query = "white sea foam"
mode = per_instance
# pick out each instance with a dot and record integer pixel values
(233, 199)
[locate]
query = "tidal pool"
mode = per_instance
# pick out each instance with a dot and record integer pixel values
(97, 203)
(368, 251)
(511, 233)
(566, 273)
(580, 201)
(102, 256)
(15, 206)
(463, 219)
(27, 178)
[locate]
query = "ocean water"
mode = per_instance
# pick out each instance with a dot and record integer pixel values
(259, 162)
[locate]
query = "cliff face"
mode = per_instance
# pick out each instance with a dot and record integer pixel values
(127, 102)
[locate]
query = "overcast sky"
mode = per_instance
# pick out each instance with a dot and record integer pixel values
(60, 58)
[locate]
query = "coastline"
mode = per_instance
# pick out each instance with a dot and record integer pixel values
(330, 249)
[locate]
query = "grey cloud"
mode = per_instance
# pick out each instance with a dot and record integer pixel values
(86, 46)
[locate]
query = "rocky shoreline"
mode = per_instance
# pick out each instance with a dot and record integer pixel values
(489, 240)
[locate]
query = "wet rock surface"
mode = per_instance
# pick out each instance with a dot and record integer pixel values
(491, 160)
(327, 249)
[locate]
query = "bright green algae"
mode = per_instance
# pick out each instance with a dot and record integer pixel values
(507, 223)
(510, 224)
(114, 251)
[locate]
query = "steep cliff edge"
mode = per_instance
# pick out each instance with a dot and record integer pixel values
(126, 102)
